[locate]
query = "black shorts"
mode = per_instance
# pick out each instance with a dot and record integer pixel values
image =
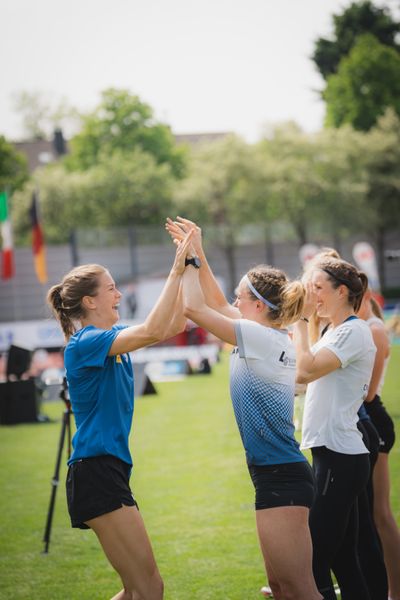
(290, 484)
(383, 424)
(96, 486)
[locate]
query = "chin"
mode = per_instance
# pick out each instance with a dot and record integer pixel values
(322, 313)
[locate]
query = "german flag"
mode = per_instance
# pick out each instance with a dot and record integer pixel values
(38, 247)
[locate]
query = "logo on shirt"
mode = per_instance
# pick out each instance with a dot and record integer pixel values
(118, 359)
(288, 362)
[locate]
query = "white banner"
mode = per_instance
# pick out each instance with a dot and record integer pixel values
(364, 256)
(307, 253)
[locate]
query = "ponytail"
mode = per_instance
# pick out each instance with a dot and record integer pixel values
(292, 303)
(285, 299)
(65, 298)
(61, 314)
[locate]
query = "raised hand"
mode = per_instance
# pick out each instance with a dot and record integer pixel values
(177, 230)
(310, 300)
(183, 247)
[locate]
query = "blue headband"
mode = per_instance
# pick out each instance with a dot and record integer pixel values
(258, 295)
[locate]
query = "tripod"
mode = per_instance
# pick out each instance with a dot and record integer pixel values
(65, 429)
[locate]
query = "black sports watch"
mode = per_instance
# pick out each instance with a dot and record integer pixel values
(195, 261)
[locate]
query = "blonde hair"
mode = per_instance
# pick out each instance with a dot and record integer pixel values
(273, 285)
(376, 309)
(65, 298)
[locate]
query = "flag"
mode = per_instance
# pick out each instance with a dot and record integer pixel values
(7, 255)
(38, 247)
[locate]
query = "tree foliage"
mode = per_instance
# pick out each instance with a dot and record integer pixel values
(117, 191)
(224, 182)
(381, 206)
(358, 19)
(123, 123)
(365, 85)
(42, 115)
(13, 167)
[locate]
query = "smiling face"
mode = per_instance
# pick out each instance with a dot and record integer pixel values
(329, 299)
(103, 307)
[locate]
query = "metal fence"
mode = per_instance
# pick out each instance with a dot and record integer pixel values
(135, 254)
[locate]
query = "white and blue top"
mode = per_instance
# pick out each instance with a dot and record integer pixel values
(262, 385)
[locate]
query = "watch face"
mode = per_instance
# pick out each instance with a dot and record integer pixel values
(195, 261)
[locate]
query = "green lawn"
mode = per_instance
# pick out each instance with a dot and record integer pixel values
(192, 485)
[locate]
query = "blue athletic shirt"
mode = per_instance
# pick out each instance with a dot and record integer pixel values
(262, 385)
(101, 393)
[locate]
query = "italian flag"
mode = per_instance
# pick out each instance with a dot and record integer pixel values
(7, 258)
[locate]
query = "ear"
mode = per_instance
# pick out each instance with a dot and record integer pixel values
(343, 291)
(260, 306)
(88, 303)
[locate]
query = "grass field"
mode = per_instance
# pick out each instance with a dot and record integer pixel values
(190, 480)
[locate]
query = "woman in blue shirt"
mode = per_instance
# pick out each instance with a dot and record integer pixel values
(100, 380)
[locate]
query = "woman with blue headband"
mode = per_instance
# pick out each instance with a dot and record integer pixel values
(262, 385)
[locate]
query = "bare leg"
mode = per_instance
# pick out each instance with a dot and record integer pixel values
(287, 550)
(386, 524)
(126, 544)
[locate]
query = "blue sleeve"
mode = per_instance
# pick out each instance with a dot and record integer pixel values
(94, 345)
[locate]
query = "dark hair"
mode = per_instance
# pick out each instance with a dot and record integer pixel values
(273, 285)
(341, 272)
(65, 298)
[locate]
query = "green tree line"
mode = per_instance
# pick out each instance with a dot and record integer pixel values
(124, 168)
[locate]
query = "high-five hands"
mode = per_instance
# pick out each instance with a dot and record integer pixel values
(177, 230)
(183, 249)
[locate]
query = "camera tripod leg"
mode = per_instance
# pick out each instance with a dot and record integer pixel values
(65, 428)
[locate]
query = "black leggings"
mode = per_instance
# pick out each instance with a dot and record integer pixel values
(369, 546)
(334, 522)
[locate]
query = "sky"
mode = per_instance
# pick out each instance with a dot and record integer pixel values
(202, 65)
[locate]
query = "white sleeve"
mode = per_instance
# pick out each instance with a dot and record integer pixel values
(347, 343)
(252, 339)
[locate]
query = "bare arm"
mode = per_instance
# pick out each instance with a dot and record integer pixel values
(178, 320)
(214, 296)
(162, 321)
(382, 348)
(198, 311)
(309, 366)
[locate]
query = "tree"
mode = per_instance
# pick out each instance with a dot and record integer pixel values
(13, 167)
(381, 207)
(358, 19)
(366, 83)
(290, 156)
(317, 181)
(119, 190)
(222, 187)
(122, 122)
(42, 115)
